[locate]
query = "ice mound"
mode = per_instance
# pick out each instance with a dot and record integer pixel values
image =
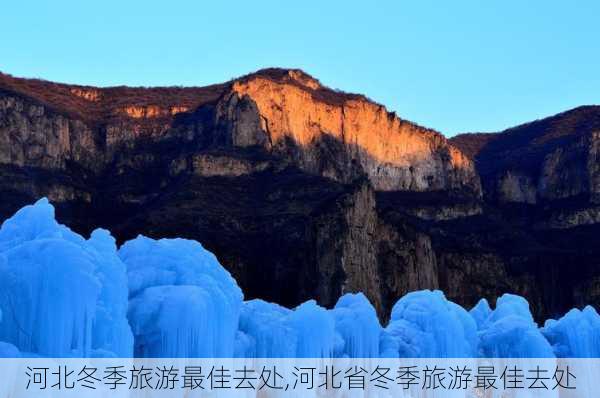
(510, 332)
(357, 324)
(111, 332)
(183, 303)
(425, 324)
(62, 295)
(351, 329)
(315, 329)
(273, 331)
(575, 335)
(481, 312)
(265, 331)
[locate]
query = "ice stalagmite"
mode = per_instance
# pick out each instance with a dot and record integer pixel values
(481, 312)
(425, 324)
(308, 331)
(266, 332)
(510, 332)
(357, 324)
(575, 335)
(183, 303)
(61, 295)
(315, 330)
(111, 332)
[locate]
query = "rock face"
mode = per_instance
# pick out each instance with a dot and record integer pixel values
(541, 187)
(543, 161)
(295, 114)
(304, 192)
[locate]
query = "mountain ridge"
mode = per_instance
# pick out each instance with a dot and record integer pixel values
(144, 106)
(528, 150)
(32, 87)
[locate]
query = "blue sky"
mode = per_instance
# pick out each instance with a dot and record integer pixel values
(454, 66)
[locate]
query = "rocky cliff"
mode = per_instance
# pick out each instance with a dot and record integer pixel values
(541, 189)
(301, 191)
(543, 161)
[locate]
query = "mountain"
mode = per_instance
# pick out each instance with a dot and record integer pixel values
(545, 161)
(307, 192)
(541, 187)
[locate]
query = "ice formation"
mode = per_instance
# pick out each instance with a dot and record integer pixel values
(265, 332)
(425, 324)
(357, 324)
(575, 335)
(307, 331)
(315, 329)
(510, 332)
(481, 312)
(183, 303)
(64, 296)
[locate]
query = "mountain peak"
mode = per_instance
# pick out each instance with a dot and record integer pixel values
(285, 75)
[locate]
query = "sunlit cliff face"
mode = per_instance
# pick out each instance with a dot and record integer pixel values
(92, 95)
(151, 111)
(395, 154)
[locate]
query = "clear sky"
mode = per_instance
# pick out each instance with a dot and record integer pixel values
(455, 66)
